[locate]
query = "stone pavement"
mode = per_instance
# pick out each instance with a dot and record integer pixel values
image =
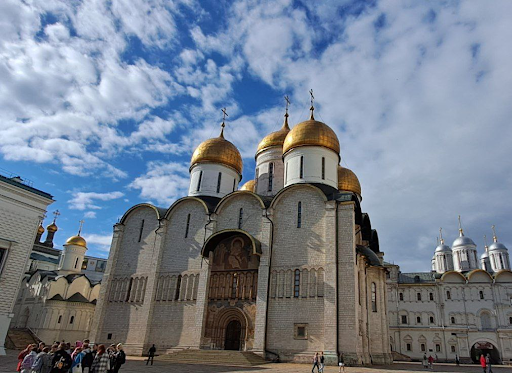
(8, 365)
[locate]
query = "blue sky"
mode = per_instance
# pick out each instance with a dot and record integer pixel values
(102, 103)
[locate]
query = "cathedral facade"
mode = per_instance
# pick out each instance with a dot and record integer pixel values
(463, 307)
(287, 265)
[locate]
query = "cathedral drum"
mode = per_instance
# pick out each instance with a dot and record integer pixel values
(232, 295)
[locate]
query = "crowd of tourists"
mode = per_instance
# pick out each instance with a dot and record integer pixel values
(62, 357)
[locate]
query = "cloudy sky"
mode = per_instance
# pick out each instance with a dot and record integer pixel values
(102, 103)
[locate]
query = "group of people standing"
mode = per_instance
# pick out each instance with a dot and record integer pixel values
(63, 358)
(485, 363)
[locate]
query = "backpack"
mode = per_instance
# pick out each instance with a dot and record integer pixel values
(87, 360)
(28, 361)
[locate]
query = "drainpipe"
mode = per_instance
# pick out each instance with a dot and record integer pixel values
(270, 251)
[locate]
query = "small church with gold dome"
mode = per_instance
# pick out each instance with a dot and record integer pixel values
(284, 266)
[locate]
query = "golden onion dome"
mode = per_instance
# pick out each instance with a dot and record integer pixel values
(218, 150)
(76, 240)
(275, 138)
(52, 227)
(249, 186)
(311, 133)
(40, 230)
(348, 181)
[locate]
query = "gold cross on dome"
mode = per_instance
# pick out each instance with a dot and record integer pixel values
(312, 108)
(287, 99)
(56, 214)
(312, 97)
(224, 115)
(81, 225)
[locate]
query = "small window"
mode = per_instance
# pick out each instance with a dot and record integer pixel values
(438, 347)
(404, 319)
(188, 226)
(481, 294)
(452, 349)
(510, 320)
(431, 319)
(374, 297)
(76, 263)
(323, 168)
(301, 167)
(240, 218)
(109, 336)
(418, 320)
(3, 258)
(128, 293)
(299, 215)
(286, 172)
(431, 296)
(448, 295)
(423, 347)
(71, 319)
(234, 184)
(60, 319)
(141, 230)
(270, 176)
(199, 181)
(401, 296)
(178, 287)
(301, 331)
(219, 180)
(452, 320)
(418, 296)
(409, 347)
(296, 284)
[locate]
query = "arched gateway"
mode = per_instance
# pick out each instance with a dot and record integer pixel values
(485, 348)
(233, 282)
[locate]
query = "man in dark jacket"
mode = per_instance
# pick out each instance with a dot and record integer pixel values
(87, 358)
(61, 362)
(151, 354)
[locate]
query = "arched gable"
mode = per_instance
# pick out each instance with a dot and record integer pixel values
(58, 287)
(366, 227)
(80, 285)
(140, 205)
(479, 275)
(503, 276)
(217, 237)
(453, 276)
(236, 194)
(95, 292)
(173, 207)
(291, 188)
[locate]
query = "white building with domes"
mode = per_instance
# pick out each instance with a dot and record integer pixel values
(462, 307)
(287, 265)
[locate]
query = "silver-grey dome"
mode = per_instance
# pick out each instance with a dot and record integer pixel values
(443, 248)
(463, 241)
(485, 255)
(497, 246)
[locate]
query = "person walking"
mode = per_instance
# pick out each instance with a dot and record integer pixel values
(431, 362)
(425, 361)
(341, 363)
(315, 363)
(457, 360)
(483, 363)
(43, 362)
(322, 360)
(87, 358)
(101, 361)
(120, 358)
(151, 354)
(61, 362)
(28, 361)
(488, 363)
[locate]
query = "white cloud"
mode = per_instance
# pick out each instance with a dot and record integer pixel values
(86, 200)
(90, 215)
(101, 242)
(163, 182)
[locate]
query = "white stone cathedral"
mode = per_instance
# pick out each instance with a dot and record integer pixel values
(287, 265)
(457, 309)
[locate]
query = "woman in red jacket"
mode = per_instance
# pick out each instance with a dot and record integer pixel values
(22, 355)
(483, 363)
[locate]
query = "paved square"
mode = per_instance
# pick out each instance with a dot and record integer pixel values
(136, 365)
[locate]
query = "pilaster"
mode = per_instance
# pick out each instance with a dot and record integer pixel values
(331, 304)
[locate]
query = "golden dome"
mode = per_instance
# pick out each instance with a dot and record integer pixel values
(40, 230)
(52, 227)
(348, 181)
(76, 240)
(218, 150)
(311, 133)
(275, 138)
(250, 186)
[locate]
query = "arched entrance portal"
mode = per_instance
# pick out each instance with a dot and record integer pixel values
(234, 261)
(233, 334)
(485, 348)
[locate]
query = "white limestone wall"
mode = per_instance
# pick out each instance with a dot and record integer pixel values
(72, 259)
(20, 214)
(209, 175)
(465, 258)
(272, 156)
(312, 167)
(443, 262)
(499, 260)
